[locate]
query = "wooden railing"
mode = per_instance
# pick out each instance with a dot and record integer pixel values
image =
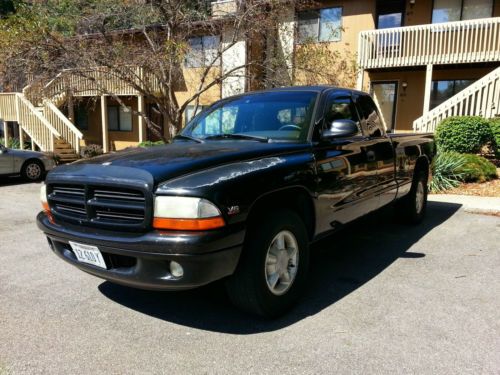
(443, 43)
(15, 107)
(8, 107)
(482, 98)
(61, 123)
(96, 82)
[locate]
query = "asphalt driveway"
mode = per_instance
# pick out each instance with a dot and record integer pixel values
(394, 299)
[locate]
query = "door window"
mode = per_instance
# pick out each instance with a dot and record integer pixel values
(390, 13)
(370, 122)
(340, 106)
(385, 94)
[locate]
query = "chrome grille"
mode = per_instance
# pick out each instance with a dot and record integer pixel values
(98, 205)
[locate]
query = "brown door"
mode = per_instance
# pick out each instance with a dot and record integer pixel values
(157, 118)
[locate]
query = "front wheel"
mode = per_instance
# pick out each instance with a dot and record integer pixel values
(273, 267)
(412, 207)
(32, 170)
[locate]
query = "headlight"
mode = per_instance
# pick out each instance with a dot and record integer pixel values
(45, 203)
(43, 196)
(186, 213)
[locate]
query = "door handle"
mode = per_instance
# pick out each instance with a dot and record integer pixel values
(370, 156)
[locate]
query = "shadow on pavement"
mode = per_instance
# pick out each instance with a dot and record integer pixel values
(340, 264)
(14, 180)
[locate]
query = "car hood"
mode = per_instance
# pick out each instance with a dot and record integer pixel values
(25, 153)
(180, 158)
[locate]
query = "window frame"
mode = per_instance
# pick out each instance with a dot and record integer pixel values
(461, 12)
(203, 57)
(318, 13)
(363, 119)
(454, 80)
(119, 129)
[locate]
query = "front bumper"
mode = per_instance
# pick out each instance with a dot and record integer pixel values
(141, 260)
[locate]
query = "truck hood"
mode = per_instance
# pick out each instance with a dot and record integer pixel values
(180, 158)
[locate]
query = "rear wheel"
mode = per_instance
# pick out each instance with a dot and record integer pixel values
(273, 267)
(413, 206)
(32, 170)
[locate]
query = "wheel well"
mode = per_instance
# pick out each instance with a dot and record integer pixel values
(422, 164)
(296, 199)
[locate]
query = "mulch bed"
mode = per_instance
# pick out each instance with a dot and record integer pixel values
(484, 189)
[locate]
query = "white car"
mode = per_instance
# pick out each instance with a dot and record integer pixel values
(31, 165)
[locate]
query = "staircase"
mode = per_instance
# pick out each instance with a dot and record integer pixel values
(45, 124)
(482, 98)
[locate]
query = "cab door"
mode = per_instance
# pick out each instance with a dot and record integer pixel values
(346, 176)
(379, 148)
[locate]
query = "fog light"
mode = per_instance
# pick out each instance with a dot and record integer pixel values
(176, 269)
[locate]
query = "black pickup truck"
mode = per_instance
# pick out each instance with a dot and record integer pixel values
(239, 194)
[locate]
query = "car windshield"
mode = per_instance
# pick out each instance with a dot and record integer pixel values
(280, 115)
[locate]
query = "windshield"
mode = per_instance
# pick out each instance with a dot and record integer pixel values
(275, 115)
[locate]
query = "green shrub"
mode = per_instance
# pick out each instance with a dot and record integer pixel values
(15, 144)
(478, 169)
(466, 135)
(91, 150)
(447, 171)
(495, 129)
(151, 144)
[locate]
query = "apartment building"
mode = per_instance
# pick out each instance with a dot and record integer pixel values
(423, 60)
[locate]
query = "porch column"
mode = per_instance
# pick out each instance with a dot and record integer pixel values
(6, 133)
(71, 108)
(140, 120)
(104, 123)
(428, 85)
(361, 78)
(21, 138)
(32, 144)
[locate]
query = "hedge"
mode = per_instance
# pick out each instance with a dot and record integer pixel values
(465, 134)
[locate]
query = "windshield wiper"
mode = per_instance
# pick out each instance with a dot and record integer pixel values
(239, 136)
(188, 137)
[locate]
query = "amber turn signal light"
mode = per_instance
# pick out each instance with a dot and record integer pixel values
(188, 224)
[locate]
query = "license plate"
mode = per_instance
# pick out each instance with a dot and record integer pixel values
(88, 254)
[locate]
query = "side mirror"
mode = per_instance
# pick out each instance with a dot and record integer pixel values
(340, 128)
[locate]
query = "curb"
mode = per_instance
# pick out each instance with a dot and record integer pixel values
(470, 203)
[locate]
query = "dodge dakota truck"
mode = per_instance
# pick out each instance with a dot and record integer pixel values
(239, 194)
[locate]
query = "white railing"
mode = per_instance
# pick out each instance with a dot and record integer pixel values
(443, 43)
(98, 81)
(8, 107)
(15, 107)
(482, 98)
(61, 123)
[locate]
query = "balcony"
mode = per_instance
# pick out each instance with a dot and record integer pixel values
(445, 43)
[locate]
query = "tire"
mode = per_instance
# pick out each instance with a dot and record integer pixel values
(269, 281)
(412, 208)
(32, 170)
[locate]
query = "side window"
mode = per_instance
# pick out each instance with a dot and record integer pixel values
(371, 122)
(340, 106)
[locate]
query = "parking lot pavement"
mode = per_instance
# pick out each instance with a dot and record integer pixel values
(389, 299)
